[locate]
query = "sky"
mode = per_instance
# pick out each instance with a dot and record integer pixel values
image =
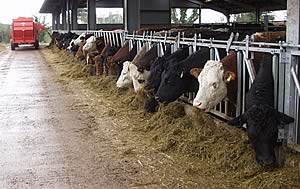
(10, 9)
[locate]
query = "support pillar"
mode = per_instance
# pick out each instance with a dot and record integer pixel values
(68, 8)
(64, 15)
(132, 15)
(74, 15)
(91, 5)
(53, 21)
(200, 10)
(257, 16)
(57, 19)
(292, 98)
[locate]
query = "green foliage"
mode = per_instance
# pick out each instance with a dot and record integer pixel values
(82, 16)
(184, 15)
(5, 33)
(44, 36)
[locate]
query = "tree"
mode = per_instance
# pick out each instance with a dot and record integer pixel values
(5, 33)
(251, 17)
(82, 16)
(44, 36)
(180, 16)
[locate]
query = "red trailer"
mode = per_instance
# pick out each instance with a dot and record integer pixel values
(24, 31)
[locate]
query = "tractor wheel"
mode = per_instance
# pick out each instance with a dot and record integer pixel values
(12, 46)
(36, 45)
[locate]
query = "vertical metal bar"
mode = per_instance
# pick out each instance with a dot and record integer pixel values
(275, 76)
(217, 56)
(226, 107)
(239, 86)
(244, 67)
(114, 42)
(110, 38)
(281, 84)
(212, 54)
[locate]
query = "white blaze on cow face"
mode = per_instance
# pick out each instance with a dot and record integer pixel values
(90, 44)
(138, 78)
(124, 80)
(77, 40)
(71, 44)
(212, 87)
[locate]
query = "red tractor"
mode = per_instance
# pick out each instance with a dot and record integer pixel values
(25, 31)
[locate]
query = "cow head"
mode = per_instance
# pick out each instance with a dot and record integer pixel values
(173, 83)
(79, 39)
(138, 78)
(153, 81)
(90, 44)
(124, 80)
(212, 85)
(262, 128)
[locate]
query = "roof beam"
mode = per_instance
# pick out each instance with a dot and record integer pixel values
(205, 5)
(241, 4)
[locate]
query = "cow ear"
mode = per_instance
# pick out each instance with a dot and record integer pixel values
(229, 76)
(195, 72)
(238, 121)
(284, 119)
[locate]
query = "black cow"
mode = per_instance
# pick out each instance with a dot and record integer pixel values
(156, 70)
(68, 41)
(261, 118)
(177, 80)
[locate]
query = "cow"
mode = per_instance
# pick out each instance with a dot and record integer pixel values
(176, 78)
(74, 44)
(215, 81)
(90, 45)
(131, 75)
(100, 44)
(101, 62)
(115, 65)
(124, 80)
(79, 53)
(147, 60)
(218, 79)
(261, 118)
(154, 78)
(112, 61)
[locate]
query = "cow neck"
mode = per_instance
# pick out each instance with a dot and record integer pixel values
(264, 84)
(229, 62)
(149, 57)
(122, 52)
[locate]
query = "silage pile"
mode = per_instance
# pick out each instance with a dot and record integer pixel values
(198, 136)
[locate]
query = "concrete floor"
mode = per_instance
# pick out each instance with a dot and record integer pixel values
(40, 145)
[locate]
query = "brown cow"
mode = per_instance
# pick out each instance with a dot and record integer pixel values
(115, 66)
(79, 53)
(147, 60)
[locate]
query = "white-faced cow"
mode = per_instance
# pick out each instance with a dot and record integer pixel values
(130, 74)
(124, 79)
(216, 81)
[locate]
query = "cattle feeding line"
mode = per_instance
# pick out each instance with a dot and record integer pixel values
(245, 66)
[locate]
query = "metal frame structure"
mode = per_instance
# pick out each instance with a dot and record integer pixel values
(283, 53)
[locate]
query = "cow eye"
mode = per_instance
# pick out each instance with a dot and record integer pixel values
(215, 85)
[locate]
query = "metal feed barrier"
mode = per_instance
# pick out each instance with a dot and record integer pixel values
(285, 69)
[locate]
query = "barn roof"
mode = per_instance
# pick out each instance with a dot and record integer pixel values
(224, 6)
(241, 6)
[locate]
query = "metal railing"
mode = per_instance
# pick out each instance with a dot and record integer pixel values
(284, 60)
